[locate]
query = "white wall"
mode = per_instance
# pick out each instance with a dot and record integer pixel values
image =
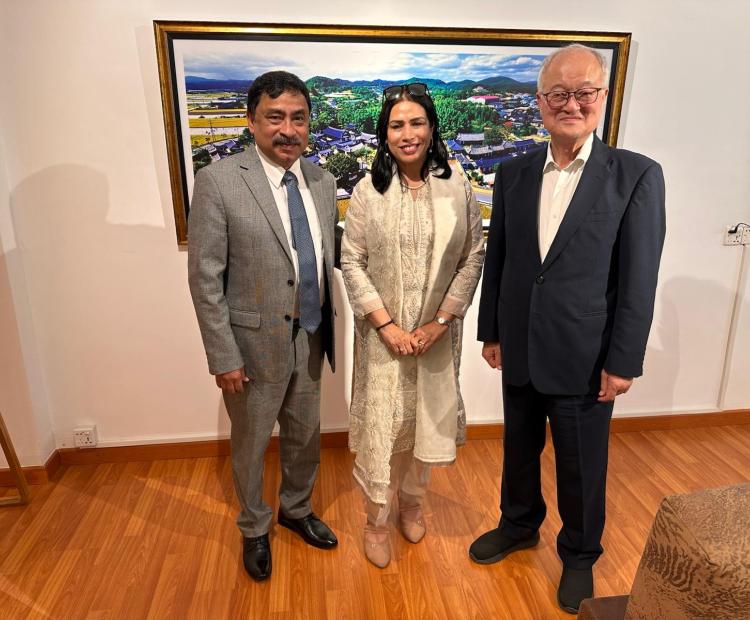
(736, 394)
(22, 395)
(14, 396)
(110, 323)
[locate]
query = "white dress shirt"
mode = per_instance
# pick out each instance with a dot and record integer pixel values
(558, 187)
(275, 174)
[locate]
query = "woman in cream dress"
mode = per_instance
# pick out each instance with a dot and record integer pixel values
(411, 258)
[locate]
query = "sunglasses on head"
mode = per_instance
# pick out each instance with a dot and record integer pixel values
(415, 89)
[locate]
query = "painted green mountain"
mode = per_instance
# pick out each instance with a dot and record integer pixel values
(326, 84)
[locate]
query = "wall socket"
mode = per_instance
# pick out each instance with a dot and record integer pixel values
(741, 236)
(85, 436)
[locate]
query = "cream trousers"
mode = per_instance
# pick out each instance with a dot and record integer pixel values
(409, 478)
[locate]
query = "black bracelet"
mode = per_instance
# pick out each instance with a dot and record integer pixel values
(379, 327)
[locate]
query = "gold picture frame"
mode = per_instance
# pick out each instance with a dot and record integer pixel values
(198, 60)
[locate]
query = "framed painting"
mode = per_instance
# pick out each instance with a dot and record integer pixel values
(483, 83)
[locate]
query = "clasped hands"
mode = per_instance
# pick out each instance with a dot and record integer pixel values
(416, 342)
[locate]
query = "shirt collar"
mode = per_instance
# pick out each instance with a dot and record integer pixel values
(275, 173)
(579, 162)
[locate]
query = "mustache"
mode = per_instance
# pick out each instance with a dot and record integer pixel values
(286, 141)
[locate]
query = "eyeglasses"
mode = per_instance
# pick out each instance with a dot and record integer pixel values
(416, 89)
(559, 98)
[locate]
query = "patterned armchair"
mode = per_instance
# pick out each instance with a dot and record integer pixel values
(696, 564)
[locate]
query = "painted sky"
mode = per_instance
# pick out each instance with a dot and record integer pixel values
(356, 61)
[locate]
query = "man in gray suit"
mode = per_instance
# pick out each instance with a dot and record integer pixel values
(260, 262)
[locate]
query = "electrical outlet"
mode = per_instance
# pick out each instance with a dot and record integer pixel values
(740, 236)
(733, 238)
(85, 436)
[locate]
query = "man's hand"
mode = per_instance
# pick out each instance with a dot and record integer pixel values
(492, 355)
(232, 382)
(612, 385)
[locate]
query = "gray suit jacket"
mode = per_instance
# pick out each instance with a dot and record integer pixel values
(240, 266)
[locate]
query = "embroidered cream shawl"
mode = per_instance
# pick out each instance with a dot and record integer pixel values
(371, 267)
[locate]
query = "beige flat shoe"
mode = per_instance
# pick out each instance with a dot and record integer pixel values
(411, 522)
(378, 545)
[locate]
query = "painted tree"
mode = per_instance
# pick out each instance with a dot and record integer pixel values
(341, 165)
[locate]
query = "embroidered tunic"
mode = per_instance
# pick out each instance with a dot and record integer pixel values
(412, 256)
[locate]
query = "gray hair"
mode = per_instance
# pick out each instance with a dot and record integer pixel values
(569, 48)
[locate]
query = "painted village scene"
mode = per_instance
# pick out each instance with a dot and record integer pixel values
(486, 118)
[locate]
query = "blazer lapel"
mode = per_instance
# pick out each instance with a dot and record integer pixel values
(525, 196)
(586, 194)
(314, 181)
(252, 173)
(315, 186)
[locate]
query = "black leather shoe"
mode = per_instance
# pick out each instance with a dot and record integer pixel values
(493, 546)
(576, 584)
(256, 556)
(312, 530)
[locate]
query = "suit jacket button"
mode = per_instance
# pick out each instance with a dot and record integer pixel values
(287, 317)
(540, 279)
(290, 282)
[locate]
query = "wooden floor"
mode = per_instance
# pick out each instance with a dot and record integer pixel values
(158, 540)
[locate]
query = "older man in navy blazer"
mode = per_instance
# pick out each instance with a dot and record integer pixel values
(567, 301)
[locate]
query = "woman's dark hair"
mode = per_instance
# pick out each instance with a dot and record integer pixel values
(437, 155)
(273, 84)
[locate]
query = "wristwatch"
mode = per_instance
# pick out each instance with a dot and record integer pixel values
(442, 321)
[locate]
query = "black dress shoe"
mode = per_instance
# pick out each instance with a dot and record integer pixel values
(312, 530)
(493, 546)
(576, 584)
(256, 556)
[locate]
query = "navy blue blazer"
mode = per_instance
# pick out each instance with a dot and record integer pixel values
(590, 304)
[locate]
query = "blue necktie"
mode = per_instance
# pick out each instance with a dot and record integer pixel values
(309, 289)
